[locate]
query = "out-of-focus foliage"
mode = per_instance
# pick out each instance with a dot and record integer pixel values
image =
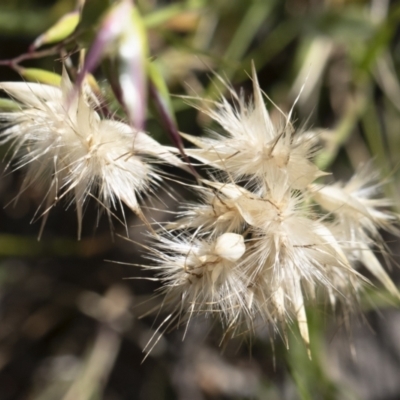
(69, 326)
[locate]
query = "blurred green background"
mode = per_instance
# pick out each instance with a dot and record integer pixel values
(69, 326)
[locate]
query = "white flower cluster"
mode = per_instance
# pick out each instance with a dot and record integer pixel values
(266, 237)
(72, 152)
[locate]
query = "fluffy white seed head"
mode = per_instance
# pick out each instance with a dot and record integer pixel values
(252, 148)
(282, 252)
(358, 205)
(360, 212)
(72, 151)
(201, 277)
(217, 213)
(302, 240)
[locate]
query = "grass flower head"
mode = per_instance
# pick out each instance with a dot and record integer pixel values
(251, 147)
(71, 150)
(301, 240)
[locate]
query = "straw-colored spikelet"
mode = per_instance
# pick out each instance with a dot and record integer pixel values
(252, 148)
(202, 273)
(70, 150)
(266, 238)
